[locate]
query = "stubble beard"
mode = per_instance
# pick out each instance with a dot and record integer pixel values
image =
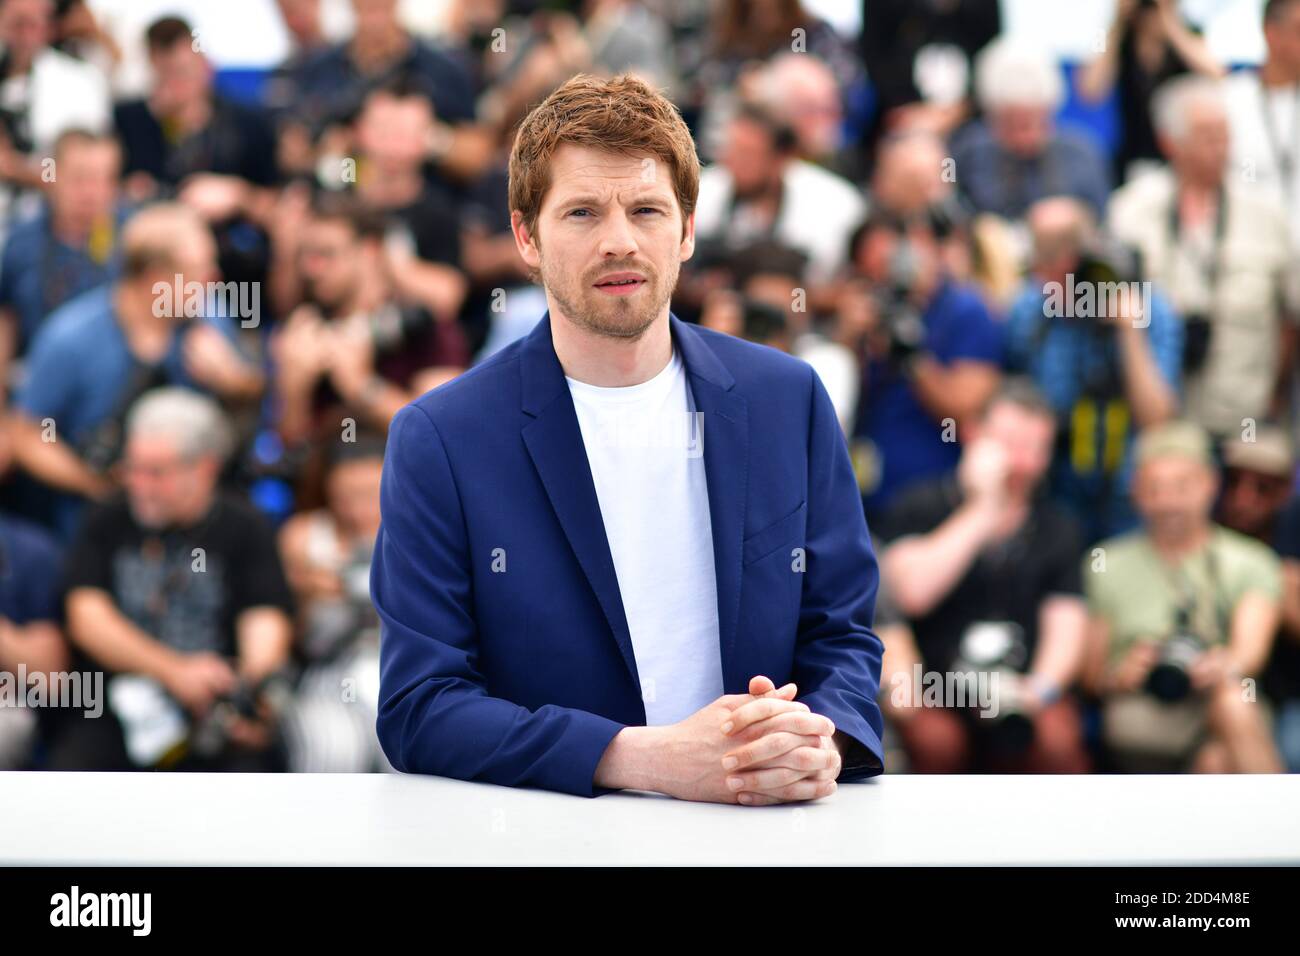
(612, 316)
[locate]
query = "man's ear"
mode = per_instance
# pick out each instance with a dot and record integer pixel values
(525, 241)
(688, 238)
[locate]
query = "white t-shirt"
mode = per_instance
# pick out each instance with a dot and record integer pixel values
(644, 446)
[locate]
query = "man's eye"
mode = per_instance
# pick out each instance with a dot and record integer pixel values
(648, 209)
(575, 212)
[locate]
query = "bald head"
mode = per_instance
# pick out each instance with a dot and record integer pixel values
(166, 240)
(909, 173)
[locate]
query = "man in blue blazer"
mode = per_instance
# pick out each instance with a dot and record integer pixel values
(604, 547)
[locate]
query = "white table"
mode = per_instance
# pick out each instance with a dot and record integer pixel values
(160, 818)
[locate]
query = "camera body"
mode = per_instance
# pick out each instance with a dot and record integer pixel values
(999, 652)
(1170, 678)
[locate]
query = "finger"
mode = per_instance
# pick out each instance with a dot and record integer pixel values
(757, 710)
(811, 759)
(799, 791)
(788, 692)
(765, 748)
(760, 685)
(791, 721)
(756, 780)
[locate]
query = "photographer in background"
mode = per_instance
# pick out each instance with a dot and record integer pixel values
(43, 93)
(1147, 44)
(986, 572)
(69, 247)
(1222, 253)
(932, 358)
(1183, 612)
(178, 592)
(760, 190)
(327, 555)
(97, 354)
(350, 348)
(1017, 155)
(1109, 368)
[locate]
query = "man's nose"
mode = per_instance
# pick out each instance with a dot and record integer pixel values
(616, 238)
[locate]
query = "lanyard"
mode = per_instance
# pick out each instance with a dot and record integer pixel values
(1213, 268)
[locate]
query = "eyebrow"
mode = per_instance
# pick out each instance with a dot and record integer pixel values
(648, 200)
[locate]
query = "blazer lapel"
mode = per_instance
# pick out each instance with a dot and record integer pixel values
(554, 442)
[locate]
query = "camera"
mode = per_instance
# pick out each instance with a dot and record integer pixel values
(334, 625)
(211, 735)
(1170, 678)
(1106, 261)
(998, 651)
(900, 319)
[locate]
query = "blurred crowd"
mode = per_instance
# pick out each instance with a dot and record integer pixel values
(1063, 364)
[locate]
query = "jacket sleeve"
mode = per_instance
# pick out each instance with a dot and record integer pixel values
(837, 655)
(435, 715)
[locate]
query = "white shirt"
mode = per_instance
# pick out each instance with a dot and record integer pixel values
(644, 446)
(1255, 151)
(819, 211)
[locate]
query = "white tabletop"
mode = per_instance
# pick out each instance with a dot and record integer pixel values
(363, 819)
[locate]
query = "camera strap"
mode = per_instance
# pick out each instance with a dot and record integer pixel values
(1214, 264)
(1189, 599)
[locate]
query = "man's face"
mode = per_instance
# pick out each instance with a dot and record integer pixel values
(1174, 495)
(1022, 130)
(882, 256)
(86, 187)
(394, 133)
(1027, 437)
(26, 26)
(301, 17)
(328, 257)
(1203, 151)
(1253, 499)
(162, 486)
(374, 18)
(353, 490)
(606, 218)
(750, 156)
(1282, 36)
(181, 76)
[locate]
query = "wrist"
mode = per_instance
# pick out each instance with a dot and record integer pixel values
(630, 760)
(1044, 688)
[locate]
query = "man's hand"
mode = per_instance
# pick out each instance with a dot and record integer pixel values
(197, 680)
(787, 755)
(1212, 668)
(684, 759)
(1134, 666)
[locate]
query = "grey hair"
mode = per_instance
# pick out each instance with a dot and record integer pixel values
(1011, 73)
(193, 421)
(1171, 103)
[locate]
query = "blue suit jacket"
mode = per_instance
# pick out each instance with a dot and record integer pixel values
(505, 653)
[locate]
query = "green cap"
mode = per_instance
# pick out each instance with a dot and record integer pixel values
(1177, 438)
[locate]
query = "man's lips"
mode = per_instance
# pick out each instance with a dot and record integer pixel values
(620, 283)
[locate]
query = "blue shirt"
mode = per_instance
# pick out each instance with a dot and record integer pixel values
(39, 272)
(909, 443)
(996, 181)
(78, 367)
(31, 572)
(1077, 367)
